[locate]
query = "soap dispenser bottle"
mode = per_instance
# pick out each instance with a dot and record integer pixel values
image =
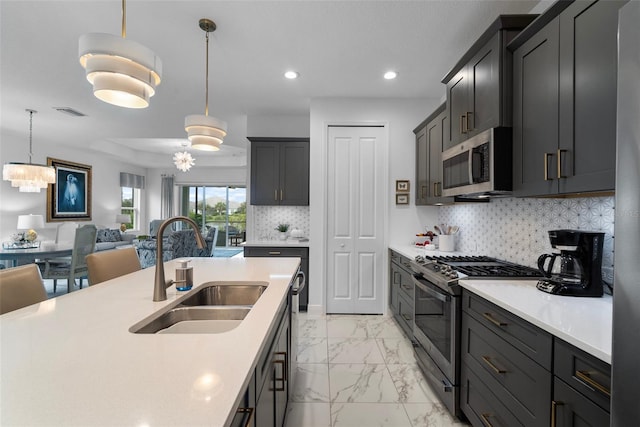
(184, 276)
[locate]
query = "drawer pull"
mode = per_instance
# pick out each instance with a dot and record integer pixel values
(274, 252)
(546, 166)
(407, 287)
(554, 409)
(407, 317)
(275, 195)
(495, 369)
(468, 116)
(585, 378)
(485, 420)
(249, 411)
(560, 151)
(491, 319)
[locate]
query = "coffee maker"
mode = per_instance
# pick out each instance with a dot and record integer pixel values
(580, 269)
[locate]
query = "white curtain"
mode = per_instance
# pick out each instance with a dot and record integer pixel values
(166, 196)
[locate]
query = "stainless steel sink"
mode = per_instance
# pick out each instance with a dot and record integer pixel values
(226, 293)
(195, 316)
(213, 307)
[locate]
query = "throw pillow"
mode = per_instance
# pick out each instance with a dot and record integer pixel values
(108, 235)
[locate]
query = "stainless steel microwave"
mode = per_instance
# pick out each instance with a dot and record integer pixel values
(481, 166)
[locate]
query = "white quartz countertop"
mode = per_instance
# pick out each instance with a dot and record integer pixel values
(290, 242)
(71, 360)
(584, 322)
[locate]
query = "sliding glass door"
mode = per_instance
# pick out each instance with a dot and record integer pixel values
(221, 206)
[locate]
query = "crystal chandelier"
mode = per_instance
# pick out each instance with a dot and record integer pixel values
(122, 72)
(29, 177)
(183, 160)
(205, 132)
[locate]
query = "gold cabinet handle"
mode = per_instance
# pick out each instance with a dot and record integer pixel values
(275, 195)
(493, 367)
(249, 411)
(435, 189)
(407, 317)
(485, 419)
(467, 117)
(423, 191)
(585, 377)
(546, 166)
(281, 198)
(491, 319)
(463, 119)
(439, 187)
(560, 151)
(274, 252)
(554, 409)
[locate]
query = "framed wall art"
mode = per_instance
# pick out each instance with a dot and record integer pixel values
(402, 199)
(402, 186)
(69, 199)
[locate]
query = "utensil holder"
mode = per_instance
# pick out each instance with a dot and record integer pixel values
(447, 243)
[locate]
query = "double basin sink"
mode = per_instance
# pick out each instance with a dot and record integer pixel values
(214, 307)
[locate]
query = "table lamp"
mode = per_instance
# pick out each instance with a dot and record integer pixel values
(30, 223)
(123, 219)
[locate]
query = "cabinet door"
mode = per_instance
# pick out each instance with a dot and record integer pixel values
(571, 409)
(395, 279)
(281, 361)
(588, 70)
(484, 88)
(294, 174)
(457, 107)
(435, 141)
(265, 161)
(422, 159)
(535, 113)
(265, 406)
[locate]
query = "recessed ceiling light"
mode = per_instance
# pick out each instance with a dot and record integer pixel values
(390, 75)
(291, 75)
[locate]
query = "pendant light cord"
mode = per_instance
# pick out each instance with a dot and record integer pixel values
(206, 84)
(31, 133)
(124, 19)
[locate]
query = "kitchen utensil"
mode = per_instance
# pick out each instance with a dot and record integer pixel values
(454, 229)
(435, 227)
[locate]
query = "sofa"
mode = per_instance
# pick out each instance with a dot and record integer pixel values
(107, 238)
(178, 244)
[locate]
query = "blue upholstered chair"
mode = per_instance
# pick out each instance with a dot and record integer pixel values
(179, 244)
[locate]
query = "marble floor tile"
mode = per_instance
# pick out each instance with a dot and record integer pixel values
(308, 415)
(312, 350)
(369, 415)
(311, 383)
(431, 415)
(364, 383)
(396, 350)
(383, 327)
(410, 383)
(354, 350)
(341, 326)
(312, 327)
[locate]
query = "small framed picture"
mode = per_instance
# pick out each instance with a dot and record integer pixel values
(402, 186)
(402, 199)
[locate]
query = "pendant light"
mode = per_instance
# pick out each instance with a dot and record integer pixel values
(205, 132)
(122, 72)
(183, 159)
(29, 177)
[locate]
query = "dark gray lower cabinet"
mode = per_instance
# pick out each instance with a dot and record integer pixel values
(246, 410)
(401, 295)
(501, 384)
(272, 376)
(572, 409)
(277, 251)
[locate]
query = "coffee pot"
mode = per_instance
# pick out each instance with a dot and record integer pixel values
(579, 272)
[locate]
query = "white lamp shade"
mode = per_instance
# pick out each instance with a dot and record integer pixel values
(28, 222)
(123, 219)
(205, 132)
(122, 72)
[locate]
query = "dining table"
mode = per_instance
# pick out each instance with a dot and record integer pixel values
(19, 256)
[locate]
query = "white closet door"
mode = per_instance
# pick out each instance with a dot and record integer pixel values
(355, 219)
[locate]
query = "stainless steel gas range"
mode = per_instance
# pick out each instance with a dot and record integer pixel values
(437, 314)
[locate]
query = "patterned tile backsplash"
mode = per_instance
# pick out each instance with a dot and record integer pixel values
(515, 229)
(266, 218)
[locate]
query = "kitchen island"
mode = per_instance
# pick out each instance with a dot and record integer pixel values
(71, 360)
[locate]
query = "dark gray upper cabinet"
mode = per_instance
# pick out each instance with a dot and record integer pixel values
(564, 121)
(429, 146)
(279, 171)
(479, 86)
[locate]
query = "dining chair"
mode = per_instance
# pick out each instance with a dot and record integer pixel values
(66, 232)
(84, 243)
(20, 286)
(107, 265)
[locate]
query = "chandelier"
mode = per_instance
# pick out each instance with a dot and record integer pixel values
(205, 132)
(29, 177)
(122, 72)
(183, 159)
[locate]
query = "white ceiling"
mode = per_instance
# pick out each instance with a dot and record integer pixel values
(340, 49)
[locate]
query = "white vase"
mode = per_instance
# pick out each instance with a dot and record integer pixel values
(282, 235)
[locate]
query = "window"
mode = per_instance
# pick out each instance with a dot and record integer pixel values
(224, 206)
(130, 205)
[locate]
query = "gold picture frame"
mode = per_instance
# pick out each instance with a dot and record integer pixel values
(402, 185)
(69, 199)
(402, 199)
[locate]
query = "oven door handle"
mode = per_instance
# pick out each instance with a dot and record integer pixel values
(437, 295)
